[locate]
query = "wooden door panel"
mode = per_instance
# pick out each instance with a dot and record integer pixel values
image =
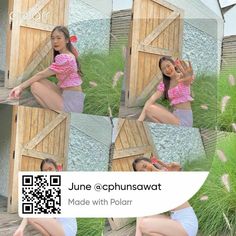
(40, 134)
(133, 140)
(157, 30)
(31, 26)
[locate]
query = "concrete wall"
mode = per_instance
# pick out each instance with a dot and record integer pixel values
(3, 32)
(5, 136)
(90, 139)
(203, 29)
(230, 19)
(177, 144)
(201, 48)
(90, 21)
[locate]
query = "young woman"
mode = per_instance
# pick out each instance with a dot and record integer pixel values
(154, 164)
(182, 220)
(177, 78)
(49, 226)
(67, 95)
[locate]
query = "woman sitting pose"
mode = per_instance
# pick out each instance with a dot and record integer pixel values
(49, 226)
(177, 78)
(182, 220)
(67, 95)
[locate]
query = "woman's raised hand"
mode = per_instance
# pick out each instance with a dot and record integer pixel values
(15, 92)
(186, 71)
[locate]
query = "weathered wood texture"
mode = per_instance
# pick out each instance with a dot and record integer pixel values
(39, 134)
(157, 30)
(132, 141)
(120, 27)
(229, 52)
(30, 28)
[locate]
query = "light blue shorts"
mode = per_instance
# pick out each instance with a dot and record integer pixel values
(188, 219)
(73, 101)
(69, 225)
(185, 117)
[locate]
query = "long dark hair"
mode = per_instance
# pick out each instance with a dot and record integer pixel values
(48, 161)
(69, 46)
(166, 79)
(136, 161)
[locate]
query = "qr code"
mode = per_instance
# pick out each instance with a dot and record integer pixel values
(41, 194)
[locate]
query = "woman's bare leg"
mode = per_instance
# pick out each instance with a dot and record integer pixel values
(139, 224)
(47, 94)
(160, 114)
(48, 227)
(156, 226)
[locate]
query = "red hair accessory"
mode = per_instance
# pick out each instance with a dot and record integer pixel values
(59, 167)
(73, 38)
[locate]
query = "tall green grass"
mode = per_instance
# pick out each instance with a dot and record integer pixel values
(204, 92)
(101, 68)
(90, 226)
(225, 119)
(217, 215)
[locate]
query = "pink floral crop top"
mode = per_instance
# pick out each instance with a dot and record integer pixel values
(65, 68)
(177, 94)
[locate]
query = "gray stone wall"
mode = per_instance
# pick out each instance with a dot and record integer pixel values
(5, 141)
(90, 139)
(3, 32)
(91, 26)
(177, 144)
(200, 47)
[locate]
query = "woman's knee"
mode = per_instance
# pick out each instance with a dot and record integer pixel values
(35, 87)
(150, 108)
(144, 225)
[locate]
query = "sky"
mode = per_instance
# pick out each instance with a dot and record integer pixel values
(122, 4)
(227, 2)
(126, 4)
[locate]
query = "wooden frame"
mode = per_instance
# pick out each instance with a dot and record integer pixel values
(36, 134)
(153, 22)
(31, 24)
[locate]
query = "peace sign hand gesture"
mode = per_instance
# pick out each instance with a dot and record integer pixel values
(186, 71)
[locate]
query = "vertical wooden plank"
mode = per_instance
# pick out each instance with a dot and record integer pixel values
(134, 128)
(62, 138)
(17, 161)
(142, 132)
(149, 29)
(34, 123)
(124, 139)
(14, 52)
(166, 31)
(129, 134)
(41, 116)
(51, 134)
(135, 54)
(66, 12)
(181, 29)
(12, 161)
(118, 144)
(141, 62)
(8, 42)
(66, 141)
(24, 163)
(46, 121)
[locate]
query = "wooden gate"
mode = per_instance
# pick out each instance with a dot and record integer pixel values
(30, 24)
(157, 30)
(133, 140)
(39, 134)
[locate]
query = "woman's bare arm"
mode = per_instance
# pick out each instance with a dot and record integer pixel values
(149, 102)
